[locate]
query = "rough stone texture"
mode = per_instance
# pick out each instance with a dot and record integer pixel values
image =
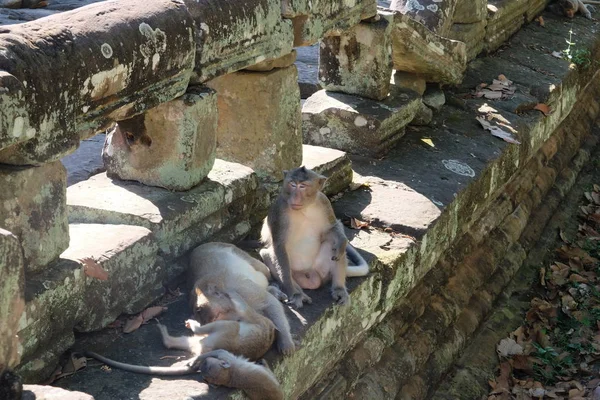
(406, 80)
(334, 164)
(434, 98)
(33, 207)
(180, 221)
(281, 62)
(436, 15)
(113, 62)
(10, 17)
(356, 124)
(423, 116)
(12, 301)
(505, 17)
(314, 19)
(308, 70)
(359, 61)
(63, 298)
(259, 120)
(171, 146)
(534, 9)
(42, 392)
(86, 160)
(418, 50)
(472, 35)
(254, 32)
(470, 11)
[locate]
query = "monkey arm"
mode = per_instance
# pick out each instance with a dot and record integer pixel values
(142, 369)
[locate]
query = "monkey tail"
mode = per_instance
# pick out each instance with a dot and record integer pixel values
(358, 266)
(141, 369)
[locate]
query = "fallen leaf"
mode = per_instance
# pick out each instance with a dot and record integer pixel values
(508, 347)
(540, 20)
(152, 312)
(557, 54)
(496, 131)
(543, 108)
(92, 269)
(73, 365)
(428, 142)
(358, 224)
(543, 276)
(117, 323)
(133, 323)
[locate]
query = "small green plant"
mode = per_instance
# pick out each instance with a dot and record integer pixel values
(551, 364)
(579, 57)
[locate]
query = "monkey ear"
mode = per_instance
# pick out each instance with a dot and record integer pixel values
(322, 180)
(198, 291)
(225, 364)
(285, 172)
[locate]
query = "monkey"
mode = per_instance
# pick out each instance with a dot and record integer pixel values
(235, 270)
(292, 235)
(336, 238)
(217, 367)
(569, 8)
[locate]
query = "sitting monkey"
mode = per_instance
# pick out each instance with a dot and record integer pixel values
(293, 232)
(569, 8)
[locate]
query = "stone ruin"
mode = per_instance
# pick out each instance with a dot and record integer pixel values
(212, 100)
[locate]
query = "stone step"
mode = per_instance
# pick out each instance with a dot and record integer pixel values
(62, 298)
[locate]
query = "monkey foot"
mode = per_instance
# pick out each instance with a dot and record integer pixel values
(340, 295)
(298, 299)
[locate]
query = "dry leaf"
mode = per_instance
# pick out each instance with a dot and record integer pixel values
(540, 20)
(133, 323)
(358, 224)
(543, 108)
(152, 312)
(496, 131)
(557, 54)
(508, 347)
(92, 269)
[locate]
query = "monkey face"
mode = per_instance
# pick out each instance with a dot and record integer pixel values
(569, 8)
(215, 371)
(300, 187)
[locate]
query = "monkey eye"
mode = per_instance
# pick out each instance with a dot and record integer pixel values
(293, 184)
(301, 186)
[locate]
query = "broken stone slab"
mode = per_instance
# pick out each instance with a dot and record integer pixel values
(97, 64)
(259, 120)
(12, 301)
(505, 17)
(314, 19)
(418, 50)
(46, 392)
(406, 80)
(334, 164)
(436, 15)
(33, 207)
(170, 215)
(307, 63)
(268, 65)
(63, 298)
(359, 61)
(232, 35)
(171, 146)
(472, 35)
(356, 124)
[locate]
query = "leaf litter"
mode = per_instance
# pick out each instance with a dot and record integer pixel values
(555, 353)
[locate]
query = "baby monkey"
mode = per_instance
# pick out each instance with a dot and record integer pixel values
(569, 8)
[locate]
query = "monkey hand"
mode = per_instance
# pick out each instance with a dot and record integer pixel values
(340, 295)
(299, 298)
(192, 324)
(275, 291)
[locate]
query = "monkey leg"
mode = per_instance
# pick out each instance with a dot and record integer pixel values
(212, 327)
(338, 281)
(274, 311)
(297, 297)
(188, 343)
(274, 290)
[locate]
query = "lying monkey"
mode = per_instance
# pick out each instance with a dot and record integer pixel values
(569, 8)
(293, 234)
(231, 268)
(218, 367)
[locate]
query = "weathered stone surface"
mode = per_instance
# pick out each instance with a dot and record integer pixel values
(472, 35)
(255, 32)
(180, 221)
(356, 124)
(423, 116)
(470, 11)
(436, 15)
(359, 61)
(307, 63)
(63, 297)
(281, 62)
(314, 19)
(406, 80)
(97, 64)
(12, 301)
(10, 17)
(171, 146)
(33, 207)
(534, 8)
(10, 3)
(259, 120)
(505, 17)
(418, 50)
(43, 392)
(334, 164)
(434, 98)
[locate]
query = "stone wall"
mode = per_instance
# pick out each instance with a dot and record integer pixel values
(201, 122)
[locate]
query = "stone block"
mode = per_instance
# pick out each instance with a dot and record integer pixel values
(112, 62)
(63, 298)
(423, 116)
(359, 61)
(180, 221)
(231, 35)
(406, 80)
(12, 301)
(307, 64)
(534, 8)
(259, 120)
(314, 19)
(46, 392)
(472, 35)
(505, 17)
(470, 11)
(333, 164)
(171, 146)
(418, 50)
(434, 98)
(281, 62)
(33, 207)
(435, 15)
(356, 124)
